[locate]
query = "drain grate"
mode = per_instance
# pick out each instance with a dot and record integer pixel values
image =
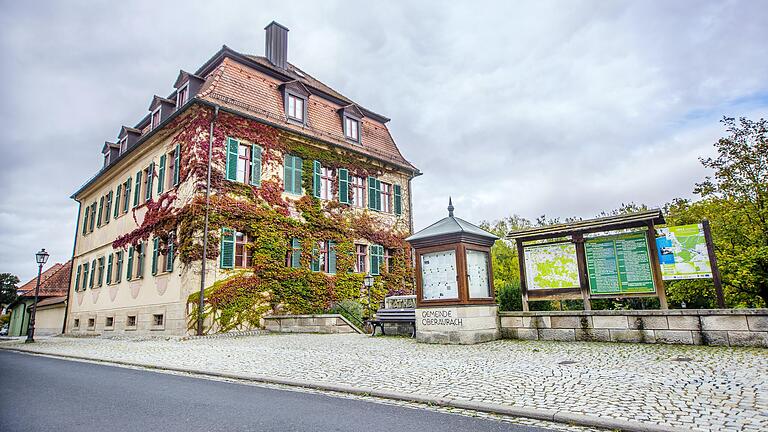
(567, 362)
(682, 359)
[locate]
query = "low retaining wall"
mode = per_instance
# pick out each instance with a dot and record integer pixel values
(325, 323)
(727, 327)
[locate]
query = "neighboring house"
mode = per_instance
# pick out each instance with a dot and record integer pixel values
(52, 297)
(305, 184)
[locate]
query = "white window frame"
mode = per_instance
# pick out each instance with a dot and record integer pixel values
(303, 118)
(347, 121)
(159, 112)
(185, 91)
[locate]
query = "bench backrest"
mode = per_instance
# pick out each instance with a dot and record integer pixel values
(396, 314)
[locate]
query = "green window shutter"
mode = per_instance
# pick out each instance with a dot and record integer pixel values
(255, 165)
(119, 268)
(129, 273)
(231, 169)
(140, 264)
(398, 200)
(343, 186)
(227, 248)
(295, 253)
(77, 277)
(137, 189)
(85, 276)
(372, 193)
(376, 257)
(176, 164)
(150, 178)
(315, 265)
(316, 179)
(108, 207)
(93, 274)
(169, 258)
(155, 252)
(288, 173)
(161, 175)
(93, 215)
(297, 168)
(101, 211)
(117, 200)
(127, 198)
(101, 271)
(332, 257)
(85, 219)
(109, 270)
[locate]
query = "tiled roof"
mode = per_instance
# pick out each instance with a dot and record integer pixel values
(52, 301)
(240, 87)
(53, 282)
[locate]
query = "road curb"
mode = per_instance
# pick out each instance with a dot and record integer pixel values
(574, 419)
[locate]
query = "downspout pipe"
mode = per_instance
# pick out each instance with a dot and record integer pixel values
(201, 305)
(71, 268)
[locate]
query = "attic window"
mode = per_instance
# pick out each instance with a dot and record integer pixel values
(295, 107)
(182, 95)
(123, 145)
(352, 129)
(156, 117)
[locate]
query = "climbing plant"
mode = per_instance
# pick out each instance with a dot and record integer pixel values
(270, 221)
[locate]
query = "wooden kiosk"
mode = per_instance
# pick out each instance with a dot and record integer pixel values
(455, 299)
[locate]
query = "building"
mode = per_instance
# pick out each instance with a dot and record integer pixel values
(52, 300)
(308, 192)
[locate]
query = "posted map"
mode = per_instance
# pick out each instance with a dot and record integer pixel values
(551, 266)
(683, 252)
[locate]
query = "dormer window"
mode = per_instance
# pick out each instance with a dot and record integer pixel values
(156, 117)
(352, 129)
(182, 95)
(295, 108)
(123, 145)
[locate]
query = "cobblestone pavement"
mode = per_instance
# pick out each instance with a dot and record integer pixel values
(696, 388)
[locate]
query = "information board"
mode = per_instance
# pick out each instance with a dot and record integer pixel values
(619, 264)
(438, 275)
(683, 252)
(551, 266)
(477, 274)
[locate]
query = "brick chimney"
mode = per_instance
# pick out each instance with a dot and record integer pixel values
(276, 49)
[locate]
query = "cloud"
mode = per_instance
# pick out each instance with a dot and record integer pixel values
(510, 107)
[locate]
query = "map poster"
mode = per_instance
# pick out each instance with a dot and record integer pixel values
(551, 266)
(683, 252)
(619, 264)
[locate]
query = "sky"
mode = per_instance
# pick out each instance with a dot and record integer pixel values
(528, 107)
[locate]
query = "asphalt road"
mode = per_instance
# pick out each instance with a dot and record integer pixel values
(46, 394)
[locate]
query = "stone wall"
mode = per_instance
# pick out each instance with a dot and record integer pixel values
(326, 323)
(461, 324)
(728, 327)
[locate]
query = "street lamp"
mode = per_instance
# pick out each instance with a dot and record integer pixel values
(41, 258)
(368, 283)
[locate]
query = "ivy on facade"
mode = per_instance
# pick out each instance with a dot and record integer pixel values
(270, 222)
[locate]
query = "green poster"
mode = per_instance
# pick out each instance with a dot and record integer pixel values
(683, 252)
(619, 264)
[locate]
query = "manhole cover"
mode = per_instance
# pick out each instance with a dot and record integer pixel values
(567, 362)
(682, 359)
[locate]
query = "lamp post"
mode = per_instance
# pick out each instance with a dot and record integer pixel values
(368, 283)
(41, 258)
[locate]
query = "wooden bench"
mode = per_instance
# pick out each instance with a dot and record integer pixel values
(393, 316)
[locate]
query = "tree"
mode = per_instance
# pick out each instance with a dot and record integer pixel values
(506, 270)
(736, 201)
(8, 287)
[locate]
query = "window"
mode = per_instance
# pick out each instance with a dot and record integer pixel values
(294, 254)
(107, 207)
(93, 217)
(93, 274)
(110, 264)
(292, 174)
(295, 108)
(135, 262)
(118, 266)
(85, 219)
(156, 117)
(157, 320)
(101, 271)
(326, 183)
(385, 189)
(123, 145)
(352, 129)
(360, 258)
(162, 254)
(110, 322)
(174, 163)
(374, 193)
(149, 174)
(358, 191)
(398, 200)
(243, 162)
(182, 95)
(324, 257)
(127, 195)
(77, 323)
(130, 321)
(242, 252)
(91, 322)
(137, 185)
(388, 258)
(77, 277)
(85, 276)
